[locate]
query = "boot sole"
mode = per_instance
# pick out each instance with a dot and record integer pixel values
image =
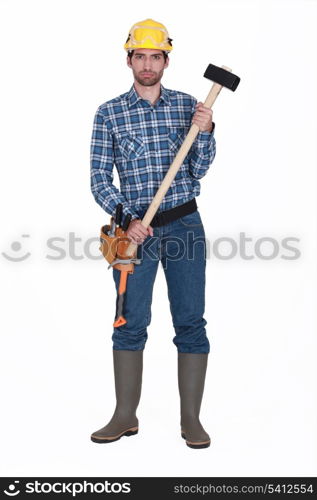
(204, 444)
(129, 432)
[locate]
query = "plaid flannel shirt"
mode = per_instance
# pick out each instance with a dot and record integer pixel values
(142, 141)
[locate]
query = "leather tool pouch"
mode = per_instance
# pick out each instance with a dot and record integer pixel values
(115, 247)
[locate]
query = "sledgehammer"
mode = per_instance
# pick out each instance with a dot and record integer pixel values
(222, 77)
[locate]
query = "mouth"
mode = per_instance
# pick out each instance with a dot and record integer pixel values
(147, 75)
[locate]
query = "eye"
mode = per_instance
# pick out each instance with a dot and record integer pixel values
(157, 57)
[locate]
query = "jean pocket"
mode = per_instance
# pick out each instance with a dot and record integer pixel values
(131, 146)
(191, 220)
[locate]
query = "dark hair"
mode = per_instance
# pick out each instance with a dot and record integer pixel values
(130, 54)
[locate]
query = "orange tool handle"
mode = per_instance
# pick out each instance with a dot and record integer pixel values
(120, 319)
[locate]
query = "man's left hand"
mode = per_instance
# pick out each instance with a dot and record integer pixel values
(203, 118)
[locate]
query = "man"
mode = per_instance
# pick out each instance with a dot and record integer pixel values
(140, 132)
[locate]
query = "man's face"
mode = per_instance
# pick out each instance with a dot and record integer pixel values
(148, 66)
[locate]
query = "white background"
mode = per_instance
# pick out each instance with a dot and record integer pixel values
(60, 60)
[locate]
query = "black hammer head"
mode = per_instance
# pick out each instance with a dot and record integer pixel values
(222, 76)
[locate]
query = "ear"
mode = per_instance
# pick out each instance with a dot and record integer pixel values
(167, 62)
(128, 62)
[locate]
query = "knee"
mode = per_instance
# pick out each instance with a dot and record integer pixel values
(192, 338)
(125, 338)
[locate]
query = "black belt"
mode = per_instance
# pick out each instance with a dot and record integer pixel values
(162, 218)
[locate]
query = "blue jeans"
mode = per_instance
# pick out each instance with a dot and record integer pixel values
(181, 248)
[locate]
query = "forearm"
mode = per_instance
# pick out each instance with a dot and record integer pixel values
(202, 154)
(107, 195)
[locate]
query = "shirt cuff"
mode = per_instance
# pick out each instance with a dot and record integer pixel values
(204, 136)
(205, 140)
(125, 211)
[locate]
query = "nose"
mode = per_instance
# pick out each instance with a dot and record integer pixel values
(148, 64)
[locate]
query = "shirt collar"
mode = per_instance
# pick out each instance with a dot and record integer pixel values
(133, 96)
(165, 96)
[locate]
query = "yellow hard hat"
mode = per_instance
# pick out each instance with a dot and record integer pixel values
(148, 34)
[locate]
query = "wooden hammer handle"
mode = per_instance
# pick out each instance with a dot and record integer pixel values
(178, 161)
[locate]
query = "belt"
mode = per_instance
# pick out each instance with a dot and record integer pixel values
(162, 218)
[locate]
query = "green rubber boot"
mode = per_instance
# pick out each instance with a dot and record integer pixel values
(128, 367)
(191, 380)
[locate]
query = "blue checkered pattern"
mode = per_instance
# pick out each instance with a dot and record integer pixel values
(142, 141)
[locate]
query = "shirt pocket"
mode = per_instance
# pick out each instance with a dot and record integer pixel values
(131, 145)
(176, 136)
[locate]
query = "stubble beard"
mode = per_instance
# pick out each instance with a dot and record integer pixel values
(148, 82)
